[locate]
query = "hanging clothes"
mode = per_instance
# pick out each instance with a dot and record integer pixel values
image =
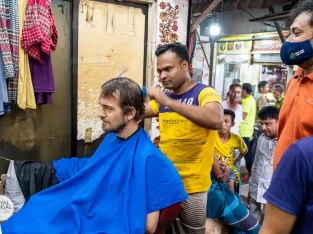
(25, 96)
(42, 78)
(13, 190)
(3, 90)
(33, 177)
(39, 32)
(9, 44)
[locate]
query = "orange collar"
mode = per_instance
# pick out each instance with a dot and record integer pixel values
(300, 73)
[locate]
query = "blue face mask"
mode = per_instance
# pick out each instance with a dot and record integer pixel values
(295, 53)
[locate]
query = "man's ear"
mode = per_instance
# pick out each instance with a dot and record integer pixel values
(233, 124)
(185, 65)
(130, 113)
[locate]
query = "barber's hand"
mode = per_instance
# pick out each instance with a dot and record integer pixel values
(158, 94)
(226, 173)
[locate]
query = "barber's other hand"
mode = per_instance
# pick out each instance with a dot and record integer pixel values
(225, 175)
(158, 94)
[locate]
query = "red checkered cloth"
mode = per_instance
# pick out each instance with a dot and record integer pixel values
(39, 30)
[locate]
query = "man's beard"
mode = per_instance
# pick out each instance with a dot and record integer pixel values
(116, 129)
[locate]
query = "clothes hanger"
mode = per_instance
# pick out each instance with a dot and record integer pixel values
(5, 159)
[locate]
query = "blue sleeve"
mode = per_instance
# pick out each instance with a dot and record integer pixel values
(164, 185)
(288, 188)
(67, 167)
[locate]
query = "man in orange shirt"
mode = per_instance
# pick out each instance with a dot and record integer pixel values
(296, 116)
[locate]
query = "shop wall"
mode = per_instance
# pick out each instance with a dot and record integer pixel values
(111, 41)
(171, 26)
(45, 133)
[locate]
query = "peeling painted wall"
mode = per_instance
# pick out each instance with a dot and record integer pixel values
(111, 39)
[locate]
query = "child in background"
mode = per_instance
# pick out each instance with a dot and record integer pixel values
(225, 147)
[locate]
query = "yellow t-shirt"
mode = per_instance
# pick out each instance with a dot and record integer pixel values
(188, 146)
(247, 125)
(225, 152)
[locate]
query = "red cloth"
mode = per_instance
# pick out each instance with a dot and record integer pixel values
(167, 217)
(39, 30)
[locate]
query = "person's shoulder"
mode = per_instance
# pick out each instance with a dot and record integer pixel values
(207, 94)
(156, 158)
(225, 104)
(148, 148)
(234, 136)
(262, 138)
(257, 96)
(207, 89)
(305, 146)
(252, 100)
(108, 137)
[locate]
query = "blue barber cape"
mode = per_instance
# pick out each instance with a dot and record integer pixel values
(112, 192)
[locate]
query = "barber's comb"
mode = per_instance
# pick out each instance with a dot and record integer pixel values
(122, 72)
(144, 91)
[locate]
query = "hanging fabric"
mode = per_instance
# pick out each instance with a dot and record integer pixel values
(14, 45)
(39, 32)
(25, 96)
(13, 190)
(42, 77)
(9, 44)
(39, 37)
(4, 101)
(6, 159)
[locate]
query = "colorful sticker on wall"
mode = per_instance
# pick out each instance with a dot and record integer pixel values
(169, 16)
(235, 47)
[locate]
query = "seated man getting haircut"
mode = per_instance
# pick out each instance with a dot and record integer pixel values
(120, 189)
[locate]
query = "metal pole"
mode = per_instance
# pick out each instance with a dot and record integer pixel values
(280, 33)
(189, 23)
(211, 62)
(206, 59)
(204, 14)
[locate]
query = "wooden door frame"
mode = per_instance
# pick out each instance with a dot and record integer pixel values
(74, 58)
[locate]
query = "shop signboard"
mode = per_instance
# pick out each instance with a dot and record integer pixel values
(268, 42)
(267, 46)
(234, 47)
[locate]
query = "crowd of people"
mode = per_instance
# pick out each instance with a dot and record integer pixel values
(190, 183)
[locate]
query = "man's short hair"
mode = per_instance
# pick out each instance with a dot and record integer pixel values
(279, 88)
(231, 113)
(129, 94)
(247, 87)
(180, 50)
(268, 112)
(233, 86)
(262, 84)
(303, 6)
